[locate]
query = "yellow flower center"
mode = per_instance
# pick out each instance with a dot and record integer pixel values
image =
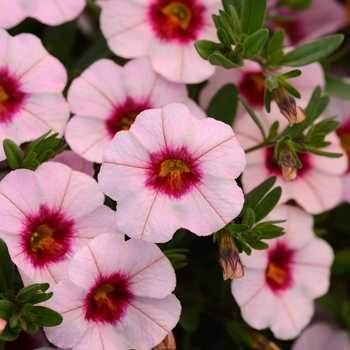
(174, 167)
(3, 95)
(277, 274)
(179, 13)
(102, 293)
(126, 122)
(41, 238)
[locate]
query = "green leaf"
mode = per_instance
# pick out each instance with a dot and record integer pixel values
(189, 319)
(253, 235)
(31, 146)
(238, 228)
(46, 317)
(275, 43)
(253, 116)
(252, 15)
(267, 203)
(13, 154)
(226, 23)
(319, 152)
(254, 196)
(26, 308)
(32, 328)
(270, 231)
(291, 74)
(8, 334)
(249, 218)
(223, 37)
(258, 245)
(273, 132)
(293, 91)
(6, 309)
(313, 51)
(26, 293)
(236, 4)
(271, 82)
(254, 43)
(267, 104)
(7, 269)
(235, 23)
(337, 87)
(223, 105)
(218, 59)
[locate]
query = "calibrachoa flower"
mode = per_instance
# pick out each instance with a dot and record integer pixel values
(51, 12)
(47, 215)
(31, 101)
(318, 186)
(173, 171)
(75, 162)
(165, 31)
(323, 17)
(280, 283)
(117, 297)
(107, 98)
(322, 336)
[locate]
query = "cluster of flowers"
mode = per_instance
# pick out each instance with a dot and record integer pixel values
(166, 164)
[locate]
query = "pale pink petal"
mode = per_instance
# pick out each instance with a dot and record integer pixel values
(340, 340)
(315, 337)
(95, 92)
(53, 12)
(68, 301)
(289, 320)
(75, 162)
(253, 296)
(87, 136)
(194, 108)
(148, 321)
(11, 13)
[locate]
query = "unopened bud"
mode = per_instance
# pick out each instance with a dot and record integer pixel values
(229, 258)
(168, 343)
(260, 342)
(287, 163)
(288, 106)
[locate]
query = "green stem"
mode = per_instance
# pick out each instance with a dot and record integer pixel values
(261, 145)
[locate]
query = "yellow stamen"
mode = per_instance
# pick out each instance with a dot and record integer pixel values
(178, 13)
(3, 95)
(174, 167)
(277, 274)
(127, 121)
(102, 292)
(41, 237)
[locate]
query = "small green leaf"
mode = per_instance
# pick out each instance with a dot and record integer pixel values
(218, 59)
(337, 87)
(226, 23)
(258, 245)
(235, 23)
(271, 82)
(32, 328)
(31, 146)
(238, 228)
(236, 4)
(26, 308)
(267, 104)
(189, 319)
(6, 309)
(223, 37)
(319, 152)
(249, 218)
(267, 203)
(7, 269)
(313, 51)
(13, 154)
(291, 74)
(275, 43)
(223, 105)
(292, 90)
(26, 293)
(253, 116)
(8, 334)
(46, 317)
(254, 196)
(273, 132)
(254, 43)
(252, 15)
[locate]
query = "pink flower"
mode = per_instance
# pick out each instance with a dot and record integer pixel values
(321, 336)
(280, 283)
(322, 18)
(51, 12)
(163, 30)
(47, 215)
(107, 98)
(31, 101)
(341, 108)
(117, 297)
(75, 162)
(250, 82)
(318, 186)
(171, 170)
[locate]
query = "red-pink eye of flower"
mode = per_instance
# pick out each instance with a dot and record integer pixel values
(176, 20)
(173, 172)
(11, 96)
(252, 86)
(344, 134)
(108, 300)
(124, 115)
(278, 272)
(274, 168)
(47, 236)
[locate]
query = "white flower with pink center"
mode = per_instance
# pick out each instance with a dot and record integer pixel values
(47, 215)
(250, 82)
(318, 186)
(280, 283)
(322, 336)
(118, 296)
(165, 31)
(171, 170)
(31, 100)
(51, 12)
(106, 98)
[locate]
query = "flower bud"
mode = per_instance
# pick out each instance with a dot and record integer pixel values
(168, 343)
(260, 342)
(229, 258)
(288, 107)
(287, 163)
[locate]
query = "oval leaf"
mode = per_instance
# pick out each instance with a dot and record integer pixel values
(254, 43)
